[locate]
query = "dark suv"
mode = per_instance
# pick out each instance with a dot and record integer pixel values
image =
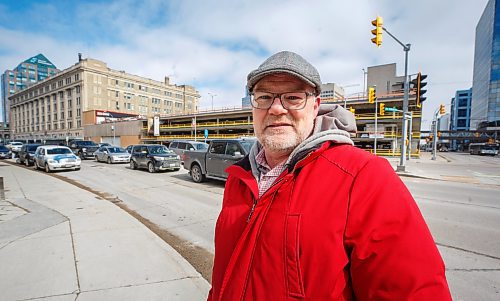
(154, 158)
(27, 153)
(83, 148)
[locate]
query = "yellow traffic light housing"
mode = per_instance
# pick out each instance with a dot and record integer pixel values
(352, 110)
(419, 84)
(377, 32)
(382, 109)
(371, 94)
(442, 110)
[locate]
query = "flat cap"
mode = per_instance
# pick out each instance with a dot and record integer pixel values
(286, 62)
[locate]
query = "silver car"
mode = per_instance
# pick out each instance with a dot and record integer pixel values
(112, 154)
(55, 157)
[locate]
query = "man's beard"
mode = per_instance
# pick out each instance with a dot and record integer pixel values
(281, 141)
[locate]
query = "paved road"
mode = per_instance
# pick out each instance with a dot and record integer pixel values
(462, 210)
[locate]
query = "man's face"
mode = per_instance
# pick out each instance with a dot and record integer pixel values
(279, 129)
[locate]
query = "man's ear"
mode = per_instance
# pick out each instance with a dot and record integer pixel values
(317, 101)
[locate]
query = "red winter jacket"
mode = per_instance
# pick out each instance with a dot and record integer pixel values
(338, 225)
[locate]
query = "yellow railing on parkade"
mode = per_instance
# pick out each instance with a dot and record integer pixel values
(391, 153)
(192, 137)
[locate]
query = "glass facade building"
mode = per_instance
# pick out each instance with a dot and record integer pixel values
(461, 110)
(486, 78)
(30, 71)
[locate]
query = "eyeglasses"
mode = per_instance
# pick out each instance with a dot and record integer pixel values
(289, 100)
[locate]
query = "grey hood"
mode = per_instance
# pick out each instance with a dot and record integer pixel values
(333, 123)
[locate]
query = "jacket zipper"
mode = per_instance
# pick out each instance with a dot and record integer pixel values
(252, 209)
(255, 201)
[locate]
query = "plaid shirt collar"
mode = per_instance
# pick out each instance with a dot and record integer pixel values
(267, 174)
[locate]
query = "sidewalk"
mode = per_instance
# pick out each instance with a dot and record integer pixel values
(59, 242)
(445, 168)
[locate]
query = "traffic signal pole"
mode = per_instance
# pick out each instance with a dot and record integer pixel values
(404, 128)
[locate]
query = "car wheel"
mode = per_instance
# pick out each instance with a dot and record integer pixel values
(151, 167)
(47, 168)
(196, 174)
(109, 160)
(133, 165)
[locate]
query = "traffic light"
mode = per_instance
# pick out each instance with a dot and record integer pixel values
(418, 84)
(382, 109)
(371, 94)
(377, 32)
(442, 110)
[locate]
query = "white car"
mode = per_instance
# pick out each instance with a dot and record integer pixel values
(112, 154)
(53, 157)
(14, 146)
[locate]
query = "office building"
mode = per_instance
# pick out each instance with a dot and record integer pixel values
(245, 101)
(384, 79)
(55, 107)
(460, 110)
(331, 92)
(486, 78)
(27, 73)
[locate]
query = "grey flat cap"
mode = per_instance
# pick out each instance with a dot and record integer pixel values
(286, 62)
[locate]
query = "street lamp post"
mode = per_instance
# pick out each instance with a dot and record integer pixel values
(212, 95)
(364, 82)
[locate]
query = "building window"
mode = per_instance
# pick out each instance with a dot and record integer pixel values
(77, 89)
(77, 77)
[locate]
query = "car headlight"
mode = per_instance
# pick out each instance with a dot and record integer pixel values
(52, 161)
(78, 159)
(159, 158)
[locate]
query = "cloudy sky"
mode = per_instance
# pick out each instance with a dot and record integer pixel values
(213, 44)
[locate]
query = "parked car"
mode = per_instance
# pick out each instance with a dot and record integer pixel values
(220, 155)
(5, 153)
(27, 153)
(180, 146)
(154, 158)
(103, 144)
(54, 157)
(14, 146)
(112, 154)
(129, 149)
(83, 148)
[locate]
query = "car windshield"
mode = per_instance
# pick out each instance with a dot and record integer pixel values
(116, 150)
(201, 146)
(86, 143)
(158, 150)
(58, 151)
(32, 148)
(247, 145)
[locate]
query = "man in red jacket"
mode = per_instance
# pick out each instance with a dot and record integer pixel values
(308, 216)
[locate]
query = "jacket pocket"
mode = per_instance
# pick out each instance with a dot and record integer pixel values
(295, 285)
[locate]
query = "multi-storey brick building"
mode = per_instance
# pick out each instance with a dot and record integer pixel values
(53, 108)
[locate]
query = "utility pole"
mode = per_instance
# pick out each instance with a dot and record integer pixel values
(377, 40)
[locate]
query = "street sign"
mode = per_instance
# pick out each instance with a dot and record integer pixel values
(392, 110)
(206, 133)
